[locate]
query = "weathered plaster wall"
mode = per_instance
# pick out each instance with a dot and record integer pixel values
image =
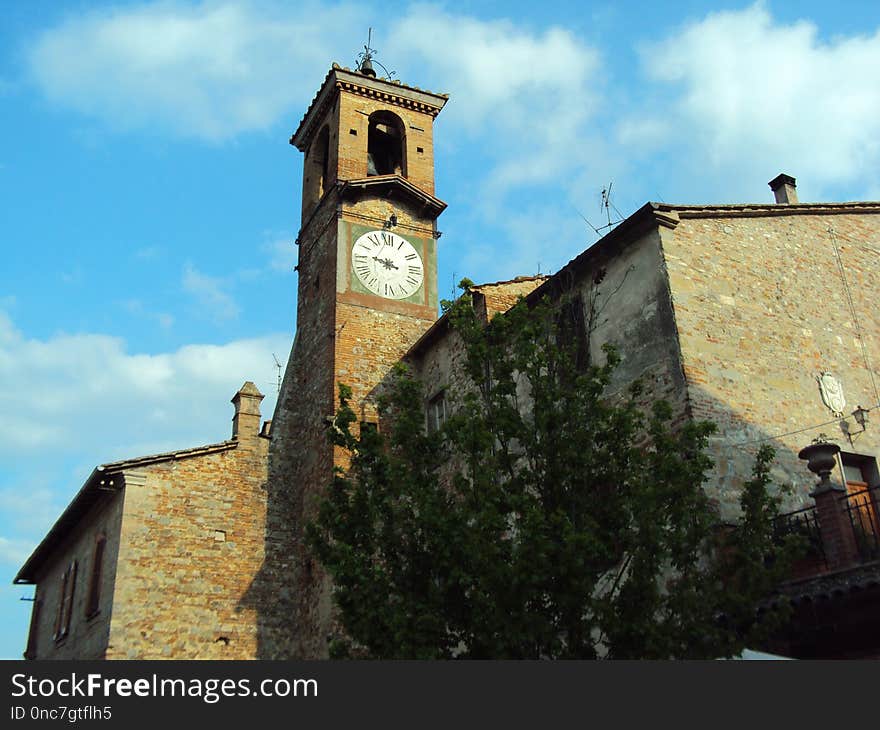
(761, 309)
(88, 635)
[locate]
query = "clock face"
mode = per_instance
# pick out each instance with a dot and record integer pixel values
(387, 264)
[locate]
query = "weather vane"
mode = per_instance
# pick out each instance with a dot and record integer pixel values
(368, 56)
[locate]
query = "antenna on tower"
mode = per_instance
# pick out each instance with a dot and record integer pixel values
(278, 367)
(367, 57)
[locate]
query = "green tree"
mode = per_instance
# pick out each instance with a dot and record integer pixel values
(544, 520)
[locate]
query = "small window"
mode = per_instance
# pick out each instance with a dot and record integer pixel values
(65, 602)
(93, 605)
(859, 471)
(436, 412)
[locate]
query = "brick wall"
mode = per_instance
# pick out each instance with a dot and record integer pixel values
(351, 162)
(191, 543)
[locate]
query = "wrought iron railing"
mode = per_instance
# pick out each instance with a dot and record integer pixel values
(863, 511)
(805, 524)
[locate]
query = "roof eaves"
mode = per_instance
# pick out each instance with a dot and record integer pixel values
(394, 182)
(353, 81)
(169, 455)
(104, 479)
(752, 210)
(649, 216)
(98, 483)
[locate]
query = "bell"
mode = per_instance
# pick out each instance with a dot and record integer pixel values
(367, 67)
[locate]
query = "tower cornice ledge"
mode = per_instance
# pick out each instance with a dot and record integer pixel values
(392, 186)
(392, 92)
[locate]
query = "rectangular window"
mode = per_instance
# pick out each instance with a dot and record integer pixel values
(65, 604)
(436, 412)
(93, 605)
(859, 471)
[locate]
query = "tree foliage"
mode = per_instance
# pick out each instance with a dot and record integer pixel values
(544, 520)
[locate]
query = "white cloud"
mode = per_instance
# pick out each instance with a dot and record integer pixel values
(137, 308)
(32, 504)
(209, 294)
(214, 70)
(755, 97)
(530, 97)
(281, 252)
(14, 552)
(86, 394)
(208, 70)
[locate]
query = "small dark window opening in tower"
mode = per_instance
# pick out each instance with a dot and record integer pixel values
(385, 145)
(321, 160)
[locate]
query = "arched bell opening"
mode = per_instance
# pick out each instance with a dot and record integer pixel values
(386, 145)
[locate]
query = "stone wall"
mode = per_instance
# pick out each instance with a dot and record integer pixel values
(631, 310)
(762, 309)
(191, 544)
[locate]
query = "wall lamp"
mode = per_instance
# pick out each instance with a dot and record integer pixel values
(861, 418)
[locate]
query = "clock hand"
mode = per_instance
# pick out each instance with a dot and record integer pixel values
(387, 263)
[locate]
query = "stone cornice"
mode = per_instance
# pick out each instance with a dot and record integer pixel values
(757, 210)
(391, 186)
(343, 79)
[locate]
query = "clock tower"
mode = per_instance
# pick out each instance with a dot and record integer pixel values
(367, 290)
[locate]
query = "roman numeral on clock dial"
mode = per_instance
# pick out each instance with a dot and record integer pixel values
(387, 265)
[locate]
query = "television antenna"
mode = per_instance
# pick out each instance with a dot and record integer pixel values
(606, 206)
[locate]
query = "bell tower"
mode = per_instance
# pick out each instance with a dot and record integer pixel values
(367, 290)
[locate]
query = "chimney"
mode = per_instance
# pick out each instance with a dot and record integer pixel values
(784, 188)
(246, 421)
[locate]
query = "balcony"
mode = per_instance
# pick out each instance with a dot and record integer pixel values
(835, 587)
(851, 540)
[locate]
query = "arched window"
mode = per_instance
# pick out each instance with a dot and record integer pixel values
(385, 145)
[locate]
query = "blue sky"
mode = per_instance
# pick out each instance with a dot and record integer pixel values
(149, 196)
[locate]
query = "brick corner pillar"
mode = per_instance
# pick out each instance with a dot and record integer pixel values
(834, 524)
